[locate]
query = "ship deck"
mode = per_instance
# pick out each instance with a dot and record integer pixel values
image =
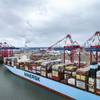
(59, 87)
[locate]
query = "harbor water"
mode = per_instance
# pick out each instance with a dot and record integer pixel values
(14, 88)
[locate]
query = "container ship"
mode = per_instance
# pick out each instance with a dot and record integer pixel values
(75, 80)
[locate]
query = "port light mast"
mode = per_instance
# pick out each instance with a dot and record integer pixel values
(73, 47)
(68, 46)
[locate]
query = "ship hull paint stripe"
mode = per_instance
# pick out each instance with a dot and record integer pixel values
(44, 87)
(55, 86)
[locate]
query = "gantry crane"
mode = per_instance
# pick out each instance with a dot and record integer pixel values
(93, 46)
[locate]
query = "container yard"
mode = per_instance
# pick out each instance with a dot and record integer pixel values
(74, 66)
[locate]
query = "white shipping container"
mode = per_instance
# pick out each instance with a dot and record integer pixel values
(8, 62)
(80, 84)
(34, 71)
(44, 69)
(71, 81)
(43, 73)
(98, 83)
(34, 68)
(73, 74)
(5, 59)
(55, 73)
(91, 89)
(65, 76)
(12, 63)
(91, 80)
(49, 75)
(38, 67)
(98, 74)
(91, 84)
(38, 72)
(94, 66)
(26, 68)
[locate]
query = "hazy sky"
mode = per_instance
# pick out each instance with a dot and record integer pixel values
(43, 22)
